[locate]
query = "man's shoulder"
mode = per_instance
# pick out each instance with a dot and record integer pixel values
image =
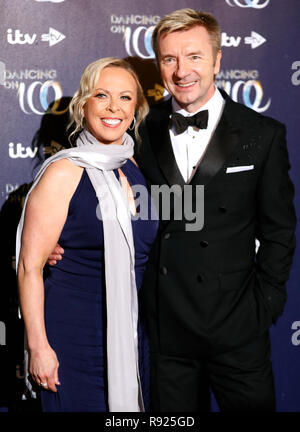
(248, 115)
(163, 107)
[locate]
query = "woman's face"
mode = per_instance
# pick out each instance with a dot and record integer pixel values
(109, 111)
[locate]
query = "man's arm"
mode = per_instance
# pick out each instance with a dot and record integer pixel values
(276, 222)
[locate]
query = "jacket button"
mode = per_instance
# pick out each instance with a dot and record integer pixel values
(204, 243)
(222, 209)
(199, 278)
(163, 271)
(167, 236)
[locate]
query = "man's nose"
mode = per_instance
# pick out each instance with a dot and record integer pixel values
(181, 69)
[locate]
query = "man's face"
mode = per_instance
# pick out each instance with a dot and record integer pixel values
(188, 66)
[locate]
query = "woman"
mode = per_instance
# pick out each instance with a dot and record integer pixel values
(81, 318)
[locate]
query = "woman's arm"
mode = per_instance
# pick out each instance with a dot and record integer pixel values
(45, 216)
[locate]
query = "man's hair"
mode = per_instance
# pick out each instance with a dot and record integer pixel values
(185, 19)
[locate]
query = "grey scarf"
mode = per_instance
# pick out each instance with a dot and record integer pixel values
(124, 390)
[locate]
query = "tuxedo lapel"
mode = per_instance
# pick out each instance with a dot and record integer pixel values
(158, 129)
(222, 143)
(226, 137)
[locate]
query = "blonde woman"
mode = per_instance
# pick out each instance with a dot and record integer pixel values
(87, 350)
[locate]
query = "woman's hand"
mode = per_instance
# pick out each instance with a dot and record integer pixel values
(43, 368)
(45, 215)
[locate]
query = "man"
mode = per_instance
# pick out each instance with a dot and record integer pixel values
(209, 298)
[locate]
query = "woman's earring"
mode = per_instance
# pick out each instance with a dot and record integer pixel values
(131, 127)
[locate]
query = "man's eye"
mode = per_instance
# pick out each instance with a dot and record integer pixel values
(195, 57)
(168, 60)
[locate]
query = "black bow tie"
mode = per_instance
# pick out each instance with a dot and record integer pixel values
(181, 123)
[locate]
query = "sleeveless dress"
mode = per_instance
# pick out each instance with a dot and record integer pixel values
(75, 305)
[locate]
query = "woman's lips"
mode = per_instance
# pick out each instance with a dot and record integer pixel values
(111, 122)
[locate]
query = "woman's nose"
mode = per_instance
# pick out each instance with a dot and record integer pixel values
(113, 105)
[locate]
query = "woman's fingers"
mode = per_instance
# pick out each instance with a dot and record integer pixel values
(48, 382)
(56, 377)
(51, 384)
(44, 384)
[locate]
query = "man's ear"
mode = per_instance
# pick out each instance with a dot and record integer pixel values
(217, 65)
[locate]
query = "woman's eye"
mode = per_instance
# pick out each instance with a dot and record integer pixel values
(100, 95)
(125, 97)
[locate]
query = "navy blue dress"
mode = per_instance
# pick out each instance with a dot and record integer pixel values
(75, 305)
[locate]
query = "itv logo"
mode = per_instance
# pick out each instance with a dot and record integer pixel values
(16, 37)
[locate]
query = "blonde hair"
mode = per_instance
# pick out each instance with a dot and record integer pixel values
(185, 19)
(88, 81)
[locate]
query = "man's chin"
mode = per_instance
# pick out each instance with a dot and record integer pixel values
(184, 102)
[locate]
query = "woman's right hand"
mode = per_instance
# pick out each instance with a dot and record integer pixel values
(43, 368)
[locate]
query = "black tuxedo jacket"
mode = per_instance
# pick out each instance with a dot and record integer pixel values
(208, 291)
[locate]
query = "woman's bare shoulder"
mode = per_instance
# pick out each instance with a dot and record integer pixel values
(63, 167)
(60, 174)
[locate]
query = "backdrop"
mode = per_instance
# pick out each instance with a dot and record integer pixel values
(44, 46)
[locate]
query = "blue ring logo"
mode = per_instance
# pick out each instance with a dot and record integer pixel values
(27, 95)
(132, 41)
(255, 4)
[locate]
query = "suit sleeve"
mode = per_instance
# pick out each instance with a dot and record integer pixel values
(144, 156)
(276, 222)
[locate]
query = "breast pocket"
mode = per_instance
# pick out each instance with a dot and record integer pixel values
(238, 169)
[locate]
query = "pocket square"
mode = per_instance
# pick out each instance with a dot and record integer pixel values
(239, 169)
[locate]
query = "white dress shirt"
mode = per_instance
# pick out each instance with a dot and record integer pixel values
(189, 146)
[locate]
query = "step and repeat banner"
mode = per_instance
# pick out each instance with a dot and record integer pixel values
(44, 47)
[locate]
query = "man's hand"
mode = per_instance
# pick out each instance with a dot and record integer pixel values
(56, 255)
